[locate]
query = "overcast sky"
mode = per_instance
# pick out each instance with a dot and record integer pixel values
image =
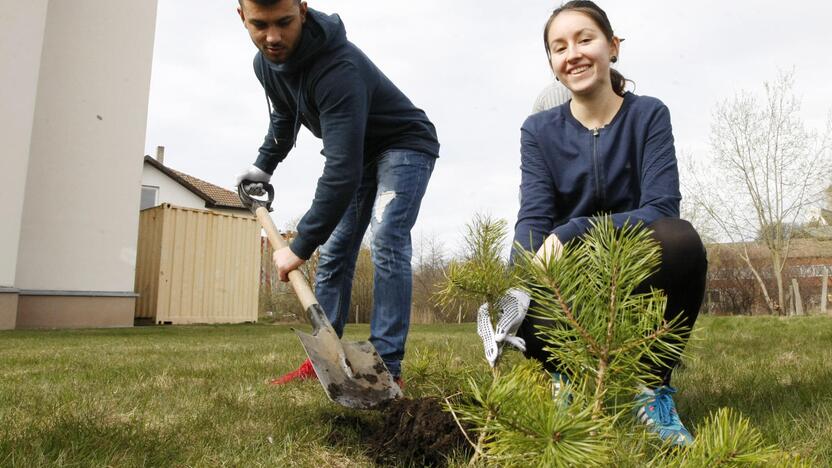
(475, 67)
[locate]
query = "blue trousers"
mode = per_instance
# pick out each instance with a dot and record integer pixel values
(388, 201)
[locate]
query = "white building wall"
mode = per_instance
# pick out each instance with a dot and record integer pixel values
(80, 219)
(170, 191)
(21, 40)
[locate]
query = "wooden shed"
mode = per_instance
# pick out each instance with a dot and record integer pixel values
(197, 266)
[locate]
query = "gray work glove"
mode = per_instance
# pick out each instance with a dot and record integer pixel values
(253, 174)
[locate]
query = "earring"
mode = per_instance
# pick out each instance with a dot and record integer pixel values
(556, 78)
(614, 58)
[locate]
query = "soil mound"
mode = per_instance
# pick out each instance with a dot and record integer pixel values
(416, 432)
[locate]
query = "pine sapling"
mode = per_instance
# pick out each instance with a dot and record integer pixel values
(483, 275)
(605, 334)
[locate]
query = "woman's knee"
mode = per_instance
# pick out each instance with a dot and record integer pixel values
(679, 239)
(530, 332)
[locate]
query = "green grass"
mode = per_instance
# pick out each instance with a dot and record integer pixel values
(195, 396)
(776, 371)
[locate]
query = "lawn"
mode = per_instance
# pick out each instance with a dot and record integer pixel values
(195, 396)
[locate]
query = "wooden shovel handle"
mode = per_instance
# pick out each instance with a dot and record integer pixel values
(299, 284)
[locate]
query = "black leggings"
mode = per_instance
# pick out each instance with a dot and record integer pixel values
(681, 276)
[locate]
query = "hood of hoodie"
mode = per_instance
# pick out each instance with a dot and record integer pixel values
(320, 32)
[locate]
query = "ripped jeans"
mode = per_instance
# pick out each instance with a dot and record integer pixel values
(388, 200)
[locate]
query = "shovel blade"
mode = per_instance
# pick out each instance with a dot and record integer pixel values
(351, 372)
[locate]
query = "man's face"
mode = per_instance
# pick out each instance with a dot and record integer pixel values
(274, 29)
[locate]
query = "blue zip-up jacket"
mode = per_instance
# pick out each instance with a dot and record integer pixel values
(332, 88)
(571, 173)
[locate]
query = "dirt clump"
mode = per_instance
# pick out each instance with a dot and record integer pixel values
(416, 431)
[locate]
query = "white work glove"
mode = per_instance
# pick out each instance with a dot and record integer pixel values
(513, 307)
(486, 331)
(252, 174)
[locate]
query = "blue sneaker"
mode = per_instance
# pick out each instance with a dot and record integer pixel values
(656, 409)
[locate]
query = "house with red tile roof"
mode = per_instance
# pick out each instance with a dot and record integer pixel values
(162, 184)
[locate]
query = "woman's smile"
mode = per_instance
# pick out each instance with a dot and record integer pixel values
(578, 70)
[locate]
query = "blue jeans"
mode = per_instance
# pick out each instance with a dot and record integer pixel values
(388, 200)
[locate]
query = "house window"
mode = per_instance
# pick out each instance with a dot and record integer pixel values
(150, 197)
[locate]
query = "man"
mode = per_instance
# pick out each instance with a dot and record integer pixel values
(380, 151)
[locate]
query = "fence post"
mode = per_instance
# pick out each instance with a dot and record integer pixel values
(823, 291)
(798, 303)
(791, 301)
(459, 315)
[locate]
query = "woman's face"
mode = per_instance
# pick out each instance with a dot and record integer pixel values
(580, 53)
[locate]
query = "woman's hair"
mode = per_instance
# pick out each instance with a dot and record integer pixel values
(597, 15)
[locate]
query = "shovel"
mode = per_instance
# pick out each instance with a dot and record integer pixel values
(351, 372)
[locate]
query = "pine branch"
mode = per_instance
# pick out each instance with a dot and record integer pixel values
(651, 338)
(570, 317)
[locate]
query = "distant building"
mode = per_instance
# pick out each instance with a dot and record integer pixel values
(162, 184)
(733, 289)
(820, 216)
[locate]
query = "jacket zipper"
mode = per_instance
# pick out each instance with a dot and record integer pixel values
(598, 194)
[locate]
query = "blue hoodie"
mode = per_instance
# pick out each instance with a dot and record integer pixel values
(571, 173)
(332, 88)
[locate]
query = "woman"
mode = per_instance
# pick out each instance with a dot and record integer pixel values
(606, 151)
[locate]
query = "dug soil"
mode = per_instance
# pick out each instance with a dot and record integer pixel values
(417, 431)
(408, 432)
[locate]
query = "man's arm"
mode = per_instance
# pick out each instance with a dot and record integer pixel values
(342, 98)
(281, 132)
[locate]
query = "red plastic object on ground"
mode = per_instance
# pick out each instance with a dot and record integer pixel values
(304, 372)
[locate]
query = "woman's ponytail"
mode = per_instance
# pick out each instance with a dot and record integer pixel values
(618, 81)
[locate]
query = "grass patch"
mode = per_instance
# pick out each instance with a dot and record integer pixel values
(776, 371)
(195, 395)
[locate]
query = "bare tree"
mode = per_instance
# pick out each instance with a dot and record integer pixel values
(691, 209)
(280, 298)
(730, 284)
(361, 299)
(767, 168)
(429, 264)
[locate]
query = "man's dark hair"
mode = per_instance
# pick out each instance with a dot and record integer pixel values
(265, 2)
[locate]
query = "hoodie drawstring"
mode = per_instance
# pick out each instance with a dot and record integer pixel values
(296, 124)
(269, 107)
